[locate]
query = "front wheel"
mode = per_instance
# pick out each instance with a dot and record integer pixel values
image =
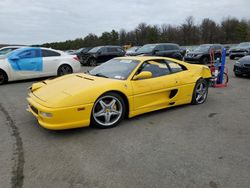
(3, 77)
(237, 74)
(108, 111)
(205, 60)
(200, 92)
(64, 69)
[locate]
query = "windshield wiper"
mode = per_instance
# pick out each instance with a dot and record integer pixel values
(100, 75)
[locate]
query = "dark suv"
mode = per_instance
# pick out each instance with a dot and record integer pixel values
(202, 53)
(240, 50)
(102, 54)
(161, 49)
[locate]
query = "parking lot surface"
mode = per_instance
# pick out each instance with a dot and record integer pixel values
(188, 146)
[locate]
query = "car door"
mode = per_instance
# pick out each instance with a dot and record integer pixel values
(103, 55)
(156, 92)
(51, 60)
(26, 63)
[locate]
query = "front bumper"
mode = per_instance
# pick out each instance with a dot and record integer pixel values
(238, 54)
(241, 69)
(196, 59)
(62, 118)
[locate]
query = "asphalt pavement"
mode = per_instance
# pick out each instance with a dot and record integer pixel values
(202, 146)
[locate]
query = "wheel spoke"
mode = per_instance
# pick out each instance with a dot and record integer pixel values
(103, 104)
(100, 113)
(107, 117)
(112, 103)
(115, 112)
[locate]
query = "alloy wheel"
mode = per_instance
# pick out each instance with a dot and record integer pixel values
(107, 110)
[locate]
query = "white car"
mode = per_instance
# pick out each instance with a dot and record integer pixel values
(34, 62)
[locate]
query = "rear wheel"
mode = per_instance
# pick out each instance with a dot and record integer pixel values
(200, 92)
(108, 111)
(64, 69)
(3, 77)
(205, 60)
(93, 62)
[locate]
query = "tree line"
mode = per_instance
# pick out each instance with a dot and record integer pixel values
(228, 31)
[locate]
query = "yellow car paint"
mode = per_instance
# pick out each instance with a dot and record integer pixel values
(70, 98)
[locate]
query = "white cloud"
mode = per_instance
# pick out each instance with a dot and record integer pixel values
(39, 21)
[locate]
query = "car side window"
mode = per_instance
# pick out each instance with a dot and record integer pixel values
(103, 50)
(159, 48)
(28, 54)
(49, 53)
(168, 47)
(175, 67)
(156, 67)
(111, 50)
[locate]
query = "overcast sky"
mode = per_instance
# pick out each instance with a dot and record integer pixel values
(40, 21)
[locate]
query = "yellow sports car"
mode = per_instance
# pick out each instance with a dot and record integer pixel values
(122, 87)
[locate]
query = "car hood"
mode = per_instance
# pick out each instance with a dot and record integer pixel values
(240, 48)
(245, 60)
(70, 90)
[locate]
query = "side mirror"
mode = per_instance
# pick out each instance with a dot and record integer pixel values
(143, 75)
(14, 57)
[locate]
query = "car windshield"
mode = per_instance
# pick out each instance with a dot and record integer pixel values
(119, 69)
(244, 44)
(202, 48)
(146, 48)
(94, 50)
(133, 49)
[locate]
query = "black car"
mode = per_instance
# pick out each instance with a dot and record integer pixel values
(242, 66)
(161, 49)
(202, 53)
(240, 50)
(81, 53)
(102, 54)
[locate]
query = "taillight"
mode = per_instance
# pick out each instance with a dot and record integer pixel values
(76, 58)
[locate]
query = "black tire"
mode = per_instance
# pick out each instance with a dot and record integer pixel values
(231, 57)
(92, 62)
(204, 92)
(103, 112)
(3, 77)
(205, 60)
(238, 75)
(64, 69)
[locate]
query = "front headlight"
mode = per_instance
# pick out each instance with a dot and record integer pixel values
(46, 114)
(238, 63)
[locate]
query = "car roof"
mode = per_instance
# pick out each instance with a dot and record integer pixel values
(141, 58)
(163, 44)
(27, 47)
(12, 47)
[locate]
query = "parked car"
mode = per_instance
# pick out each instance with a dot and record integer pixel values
(161, 49)
(81, 53)
(240, 50)
(102, 54)
(242, 66)
(5, 50)
(131, 51)
(33, 62)
(202, 53)
(122, 87)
